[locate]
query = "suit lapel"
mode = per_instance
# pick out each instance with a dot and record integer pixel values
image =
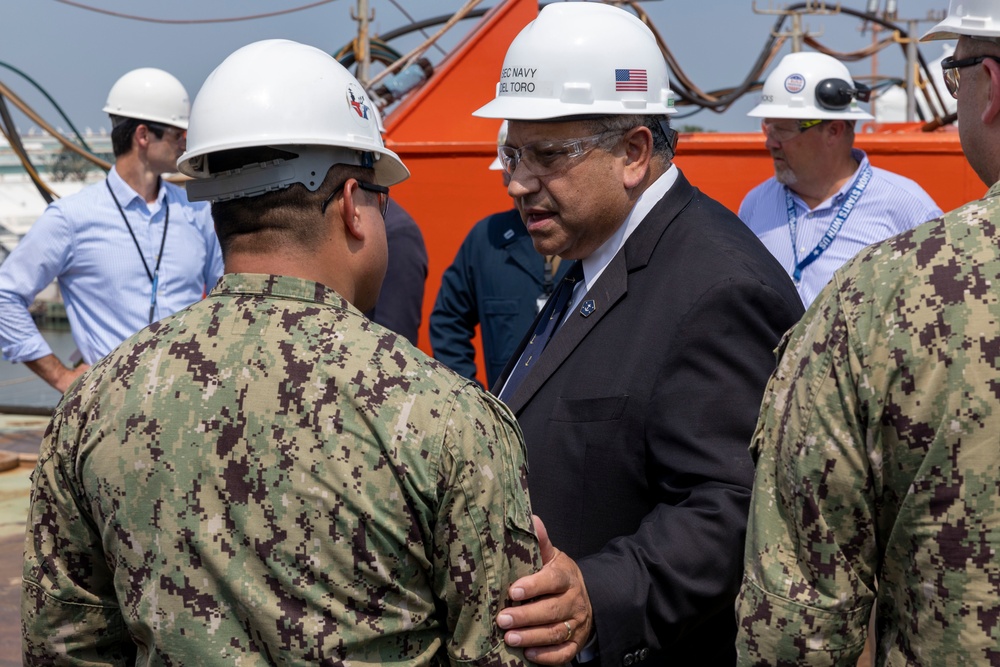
(609, 289)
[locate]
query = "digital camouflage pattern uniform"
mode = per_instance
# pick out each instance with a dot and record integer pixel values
(878, 461)
(267, 477)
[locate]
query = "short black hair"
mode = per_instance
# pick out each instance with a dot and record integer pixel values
(123, 129)
(285, 218)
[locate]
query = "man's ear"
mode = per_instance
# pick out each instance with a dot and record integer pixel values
(992, 111)
(142, 136)
(349, 212)
(638, 154)
(836, 128)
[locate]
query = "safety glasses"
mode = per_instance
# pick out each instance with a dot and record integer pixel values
(173, 134)
(380, 190)
(543, 158)
(782, 133)
(952, 68)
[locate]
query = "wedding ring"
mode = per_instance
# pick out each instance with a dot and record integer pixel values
(569, 631)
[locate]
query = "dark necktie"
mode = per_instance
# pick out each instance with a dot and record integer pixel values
(552, 315)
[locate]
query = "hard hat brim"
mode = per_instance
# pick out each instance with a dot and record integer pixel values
(524, 108)
(951, 28)
(258, 178)
(389, 168)
(181, 123)
(806, 113)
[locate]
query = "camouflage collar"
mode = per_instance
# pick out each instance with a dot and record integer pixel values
(285, 287)
(993, 191)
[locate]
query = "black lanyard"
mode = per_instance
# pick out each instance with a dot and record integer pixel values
(154, 277)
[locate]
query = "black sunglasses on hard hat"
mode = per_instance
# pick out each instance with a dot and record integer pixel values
(836, 94)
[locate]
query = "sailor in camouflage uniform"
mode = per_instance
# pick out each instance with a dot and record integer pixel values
(267, 477)
(878, 465)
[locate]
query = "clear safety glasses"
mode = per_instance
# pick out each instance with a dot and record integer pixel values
(781, 133)
(543, 158)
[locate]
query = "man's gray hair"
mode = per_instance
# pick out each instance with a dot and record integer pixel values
(623, 123)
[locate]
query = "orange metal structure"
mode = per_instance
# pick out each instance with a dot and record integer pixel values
(448, 150)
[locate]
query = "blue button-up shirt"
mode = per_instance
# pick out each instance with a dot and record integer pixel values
(82, 242)
(889, 205)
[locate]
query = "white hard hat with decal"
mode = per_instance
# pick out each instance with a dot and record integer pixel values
(581, 59)
(287, 96)
(972, 18)
(150, 94)
(810, 86)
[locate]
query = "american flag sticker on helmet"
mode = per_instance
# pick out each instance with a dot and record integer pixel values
(630, 79)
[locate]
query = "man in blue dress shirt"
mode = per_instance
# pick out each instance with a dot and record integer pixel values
(825, 201)
(126, 251)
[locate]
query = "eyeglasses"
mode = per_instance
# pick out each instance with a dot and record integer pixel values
(782, 134)
(837, 94)
(175, 133)
(951, 69)
(380, 190)
(543, 158)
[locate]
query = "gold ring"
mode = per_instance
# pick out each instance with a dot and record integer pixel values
(569, 631)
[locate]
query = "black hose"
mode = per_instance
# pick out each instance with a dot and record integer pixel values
(15, 143)
(79, 137)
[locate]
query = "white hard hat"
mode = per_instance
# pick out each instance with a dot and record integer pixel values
(287, 96)
(378, 119)
(972, 18)
(581, 59)
(808, 85)
(496, 165)
(150, 94)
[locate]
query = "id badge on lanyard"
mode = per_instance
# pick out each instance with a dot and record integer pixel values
(831, 233)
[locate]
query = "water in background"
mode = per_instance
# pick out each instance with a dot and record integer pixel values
(23, 391)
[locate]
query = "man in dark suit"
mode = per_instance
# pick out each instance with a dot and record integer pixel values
(638, 411)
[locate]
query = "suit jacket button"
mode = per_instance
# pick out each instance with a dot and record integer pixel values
(643, 654)
(628, 660)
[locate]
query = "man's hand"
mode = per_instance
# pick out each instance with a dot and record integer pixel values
(555, 620)
(50, 369)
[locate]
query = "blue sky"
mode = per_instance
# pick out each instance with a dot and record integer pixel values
(76, 54)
